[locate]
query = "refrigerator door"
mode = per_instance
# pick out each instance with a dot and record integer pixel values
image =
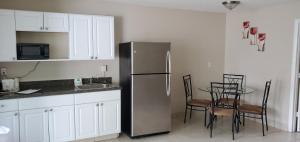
(151, 107)
(150, 57)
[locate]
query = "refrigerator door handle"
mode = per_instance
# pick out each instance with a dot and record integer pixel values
(168, 76)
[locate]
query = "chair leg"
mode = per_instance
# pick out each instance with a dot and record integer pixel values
(191, 109)
(211, 123)
(205, 113)
(262, 124)
(185, 114)
(266, 120)
(243, 119)
(233, 125)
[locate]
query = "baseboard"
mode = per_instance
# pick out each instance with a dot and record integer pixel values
(100, 138)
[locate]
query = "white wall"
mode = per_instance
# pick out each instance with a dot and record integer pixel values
(197, 38)
(275, 63)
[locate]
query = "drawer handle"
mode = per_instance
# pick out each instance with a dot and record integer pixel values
(16, 114)
(46, 110)
(97, 104)
(51, 109)
(102, 104)
(2, 106)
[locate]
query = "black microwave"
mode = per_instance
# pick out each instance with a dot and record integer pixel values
(32, 51)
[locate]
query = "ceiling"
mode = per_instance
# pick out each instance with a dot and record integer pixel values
(203, 5)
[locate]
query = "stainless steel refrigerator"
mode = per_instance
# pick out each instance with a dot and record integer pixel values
(145, 71)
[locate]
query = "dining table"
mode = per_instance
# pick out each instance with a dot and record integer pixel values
(243, 91)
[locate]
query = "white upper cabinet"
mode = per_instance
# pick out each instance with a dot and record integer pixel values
(7, 36)
(11, 121)
(103, 37)
(41, 21)
(56, 22)
(29, 20)
(80, 37)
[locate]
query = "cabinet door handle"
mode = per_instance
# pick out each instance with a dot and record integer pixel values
(46, 28)
(96, 57)
(102, 104)
(16, 114)
(2, 106)
(41, 28)
(46, 110)
(14, 58)
(92, 57)
(97, 104)
(51, 109)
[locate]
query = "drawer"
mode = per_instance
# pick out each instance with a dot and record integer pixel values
(8, 105)
(46, 102)
(93, 97)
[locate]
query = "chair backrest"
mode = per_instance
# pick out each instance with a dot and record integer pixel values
(234, 78)
(187, 81)
(220, 89)
(266, 94)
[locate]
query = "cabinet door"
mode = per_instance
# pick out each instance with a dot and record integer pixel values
(103, 37)
(86, 120)
(7, 36)
(61, 124)
(109, 117)
(10, 120)
(34, 125)
(29, 20)
(81, 37)
(56, 22)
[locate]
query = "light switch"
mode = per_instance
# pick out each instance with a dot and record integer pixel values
(103, 68)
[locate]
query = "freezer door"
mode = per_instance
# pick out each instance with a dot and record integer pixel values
(151, 106)
(150, 57)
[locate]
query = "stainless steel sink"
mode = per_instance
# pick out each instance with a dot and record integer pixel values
(93, 86)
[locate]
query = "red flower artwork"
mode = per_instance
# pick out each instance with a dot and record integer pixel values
(246, 26)
(253, 32)
(261, 42)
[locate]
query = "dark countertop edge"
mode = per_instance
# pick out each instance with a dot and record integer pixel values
(56, 93)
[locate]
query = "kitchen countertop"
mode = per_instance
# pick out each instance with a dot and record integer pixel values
(52, 90)
(55, 91)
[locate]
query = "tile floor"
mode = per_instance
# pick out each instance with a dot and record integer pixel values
(194, 131)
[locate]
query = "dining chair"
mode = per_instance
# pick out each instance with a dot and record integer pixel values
(228, 99)
(257, 110)
(217, 109)
(191, 103)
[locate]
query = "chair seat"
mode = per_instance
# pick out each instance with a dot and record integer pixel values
(222, 111)
(199, 102)
(228, 101)
(250, 109)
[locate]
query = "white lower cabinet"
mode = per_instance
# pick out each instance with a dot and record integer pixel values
(34, 125)
(47, 125)
(86, 120)
(61, 124)
(10, 120)
(109, 117)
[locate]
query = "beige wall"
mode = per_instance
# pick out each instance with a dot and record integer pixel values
(197, 38)
(275, 63)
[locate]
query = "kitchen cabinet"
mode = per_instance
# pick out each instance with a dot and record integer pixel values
(7, 36)
(29, 20)
(97, 114)
(11, 121)
(80, 37)
(61, 124)
(56, 22)
(103, 37)
(109, 117)
(91, 37)
(41, 21)
(86, 120)
(34, 125)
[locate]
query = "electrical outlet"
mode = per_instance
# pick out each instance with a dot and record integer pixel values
(3, 71)
(103, 68)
